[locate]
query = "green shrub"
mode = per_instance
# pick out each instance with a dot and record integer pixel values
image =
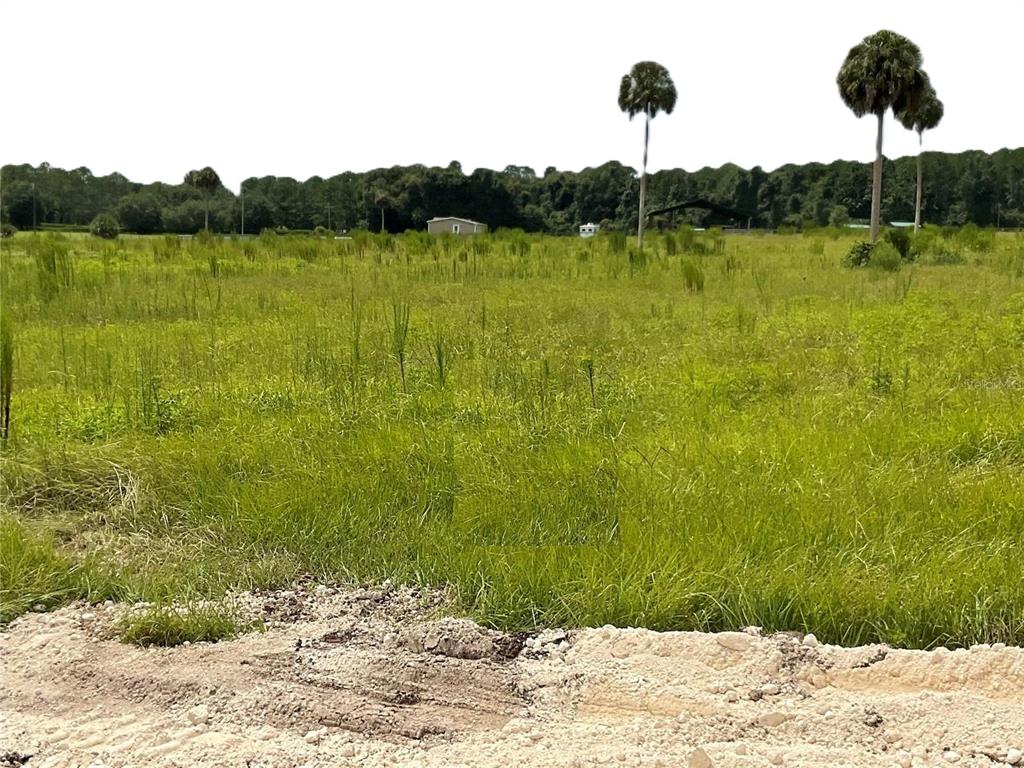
(900, 240)
(885, 257)
(322, 231)
(859, 254)
(105, 225)
(7, 229)
(922, 242)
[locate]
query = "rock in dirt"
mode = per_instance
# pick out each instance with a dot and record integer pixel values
(700, 759)
(198, 715)
(773, 719)
(735, 641)
(460, 639)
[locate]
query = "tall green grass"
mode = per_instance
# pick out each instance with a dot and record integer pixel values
(729, 430)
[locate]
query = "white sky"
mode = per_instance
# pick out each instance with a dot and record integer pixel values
(153, 88)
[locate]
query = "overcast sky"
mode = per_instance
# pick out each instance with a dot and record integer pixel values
(301, 88)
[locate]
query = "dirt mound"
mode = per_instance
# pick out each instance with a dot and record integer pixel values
(373, 677)
(461, 639)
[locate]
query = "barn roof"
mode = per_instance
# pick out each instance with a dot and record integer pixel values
(453, 218)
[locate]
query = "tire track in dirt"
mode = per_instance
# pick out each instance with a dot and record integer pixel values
(373, 677)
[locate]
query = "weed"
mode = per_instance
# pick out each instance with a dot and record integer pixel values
(400, 335)
(441, 359)
(171, 624)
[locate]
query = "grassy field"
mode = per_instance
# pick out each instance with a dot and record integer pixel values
(722, 431)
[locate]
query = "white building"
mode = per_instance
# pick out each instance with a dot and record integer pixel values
(589, 229)
(455, 225)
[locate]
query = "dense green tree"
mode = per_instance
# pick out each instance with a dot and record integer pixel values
(259, 212)
(923, 115)
(18, 203)
(880, 73)
(839, 216)
(140, 213)
(185, 219)
(647, 89)
(206, 181)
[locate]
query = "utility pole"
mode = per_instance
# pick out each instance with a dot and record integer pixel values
(33, 206)
(241, 195)
(328, 215)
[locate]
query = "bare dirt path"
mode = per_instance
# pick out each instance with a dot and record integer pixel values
(372, 677)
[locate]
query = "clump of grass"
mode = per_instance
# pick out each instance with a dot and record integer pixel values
(616, 242)
(170, 624)
(54, 267)
(32, 571)
(61, 484)
(400, 335)
(6, 374)
(442, 359)
(693, 276)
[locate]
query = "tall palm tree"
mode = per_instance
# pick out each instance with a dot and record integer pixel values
(882, 72)
(206, 181)
(647, 88)
(922, 116)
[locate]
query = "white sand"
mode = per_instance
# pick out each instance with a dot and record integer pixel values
(366, 678)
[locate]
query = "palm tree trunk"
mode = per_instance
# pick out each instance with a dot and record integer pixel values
(643, 182)
(917, 201)
(876, 183)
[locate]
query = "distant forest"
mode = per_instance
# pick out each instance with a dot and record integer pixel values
(973, 186)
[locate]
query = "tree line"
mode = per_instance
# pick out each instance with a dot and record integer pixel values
(973, 186)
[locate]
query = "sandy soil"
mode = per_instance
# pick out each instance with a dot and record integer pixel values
(373, 677)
